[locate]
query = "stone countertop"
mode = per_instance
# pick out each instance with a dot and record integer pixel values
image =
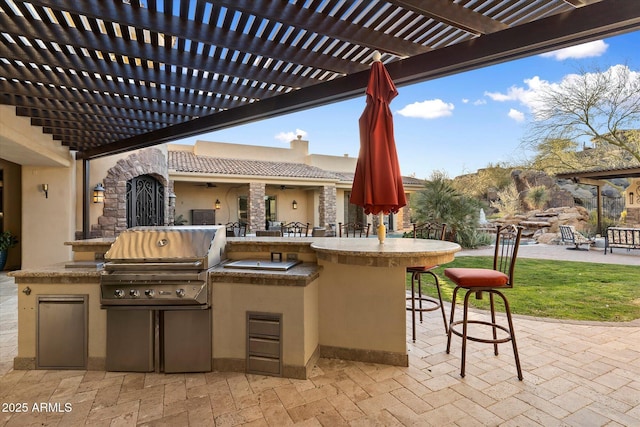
(300, 275)
(59, 273)
(103, 241)
(392, 253)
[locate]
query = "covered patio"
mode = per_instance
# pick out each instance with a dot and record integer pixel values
(98, 79)
(576, 374)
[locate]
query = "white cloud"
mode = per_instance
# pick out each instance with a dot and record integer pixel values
(585, 50)
(480, 102)
(529, 94)
(516, 115)
(431, 109)
(465, 101)
(290, 136)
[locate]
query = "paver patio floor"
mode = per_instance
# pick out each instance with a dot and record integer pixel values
(575, 374)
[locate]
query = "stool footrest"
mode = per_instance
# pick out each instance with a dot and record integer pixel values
(434, 304)
(453, 325)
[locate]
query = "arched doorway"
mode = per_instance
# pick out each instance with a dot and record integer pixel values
(145, 201)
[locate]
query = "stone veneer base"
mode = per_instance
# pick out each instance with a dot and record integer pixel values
(368, 356)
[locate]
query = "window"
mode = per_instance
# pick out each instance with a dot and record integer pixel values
(243, 203)
(270, 207)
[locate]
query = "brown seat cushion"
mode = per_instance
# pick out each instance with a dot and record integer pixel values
(419, 268)
(476, 277)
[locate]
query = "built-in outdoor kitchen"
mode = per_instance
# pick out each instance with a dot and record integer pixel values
(189, 299)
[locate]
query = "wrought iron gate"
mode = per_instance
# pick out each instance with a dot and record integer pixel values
(145, 201)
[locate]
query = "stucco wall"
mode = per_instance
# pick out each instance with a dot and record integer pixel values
(296, 153)
(47, 222)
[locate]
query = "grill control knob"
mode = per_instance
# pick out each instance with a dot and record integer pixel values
(180, 293)
(149, 293)
(134, 293)
(118, 293)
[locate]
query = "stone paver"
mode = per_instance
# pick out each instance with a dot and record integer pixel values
(575, 374)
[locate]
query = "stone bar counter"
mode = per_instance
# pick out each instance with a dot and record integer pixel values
(346, 299)
(362, 300)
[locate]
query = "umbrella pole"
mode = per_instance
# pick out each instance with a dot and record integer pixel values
(382, 230)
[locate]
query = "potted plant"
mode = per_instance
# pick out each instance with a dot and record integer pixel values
(7, 241)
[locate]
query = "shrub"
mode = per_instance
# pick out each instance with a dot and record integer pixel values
(508, 202)
(537, 196)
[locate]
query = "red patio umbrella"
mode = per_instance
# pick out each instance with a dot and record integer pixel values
(377, 184)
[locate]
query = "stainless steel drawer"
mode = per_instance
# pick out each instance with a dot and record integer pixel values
(258, 326)
(264, 347)
(264, 343)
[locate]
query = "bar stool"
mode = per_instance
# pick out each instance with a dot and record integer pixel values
(480, 280)
(425, 231)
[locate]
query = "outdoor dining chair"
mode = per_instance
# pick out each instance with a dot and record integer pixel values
(296, 229)
(477, 281)
(236, 229)
(424, 302)
(353, 229)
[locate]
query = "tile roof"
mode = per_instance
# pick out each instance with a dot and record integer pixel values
(183, 161)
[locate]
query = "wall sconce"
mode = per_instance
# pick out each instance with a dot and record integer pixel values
(630, 198)
(217, 204)
(172, 199)
(98, 193)
(45, 188)
(294, 204)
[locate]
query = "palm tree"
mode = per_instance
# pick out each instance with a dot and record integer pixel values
(440, 202)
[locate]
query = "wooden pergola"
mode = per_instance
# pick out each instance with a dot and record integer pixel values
(597, 178)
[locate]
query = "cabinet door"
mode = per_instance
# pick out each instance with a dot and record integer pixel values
(130, 340)
(187, 340)
(61, 341)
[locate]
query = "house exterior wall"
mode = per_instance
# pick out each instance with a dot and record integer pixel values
(47, 222)
(632, 203)
(36, 159)
(296, 153)
(333, 163)
(44, 222)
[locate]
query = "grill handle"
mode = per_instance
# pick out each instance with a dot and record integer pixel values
(110, 266)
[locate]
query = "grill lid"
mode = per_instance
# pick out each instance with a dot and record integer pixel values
(201, 246)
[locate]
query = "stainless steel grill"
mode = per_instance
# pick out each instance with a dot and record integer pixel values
(155, 289)
(151, 266)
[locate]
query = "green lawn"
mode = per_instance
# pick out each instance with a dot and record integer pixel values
(561, 289)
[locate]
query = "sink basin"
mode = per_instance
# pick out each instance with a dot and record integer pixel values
(262, 264)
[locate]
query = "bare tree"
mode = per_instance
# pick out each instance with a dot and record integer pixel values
(597, 110)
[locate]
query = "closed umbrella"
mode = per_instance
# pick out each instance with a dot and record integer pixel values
(377, 184)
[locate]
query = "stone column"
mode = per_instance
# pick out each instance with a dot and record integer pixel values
(327, 211)
(256, 206)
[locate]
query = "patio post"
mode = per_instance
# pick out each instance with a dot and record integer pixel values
(86, 220)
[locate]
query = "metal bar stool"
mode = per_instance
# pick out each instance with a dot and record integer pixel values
(425, 231)
(484, 280)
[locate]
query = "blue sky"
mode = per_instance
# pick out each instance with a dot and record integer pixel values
(455, 124)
